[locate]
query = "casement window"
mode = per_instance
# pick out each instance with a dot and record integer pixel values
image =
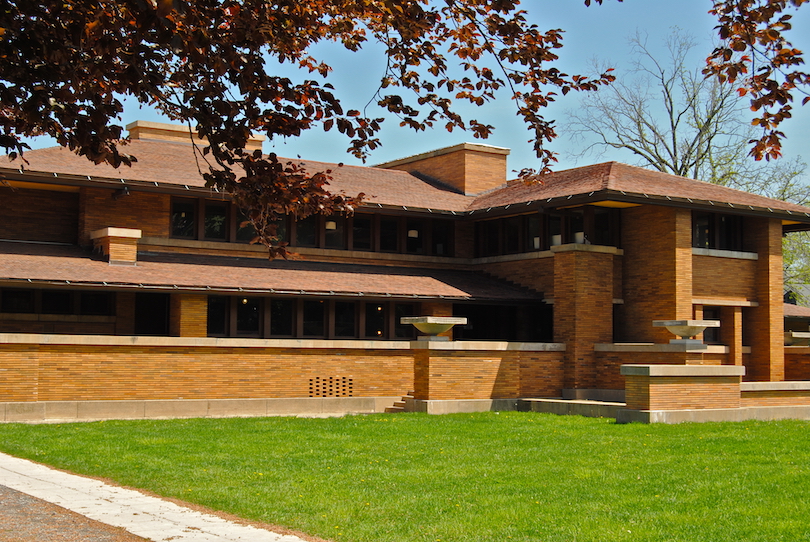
(56, 302)
(504, 322)
(540, 231)
(716, 231)
(274, 317)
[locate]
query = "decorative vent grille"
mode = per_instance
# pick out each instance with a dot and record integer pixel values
(331, 386)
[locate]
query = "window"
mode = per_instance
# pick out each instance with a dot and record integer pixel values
(282, 314)
(306, 232)
(218, 316)
(716, 231)
(362, 233)
(97, 303)
(248, 316)
(151, 314)
(313, 318)
(57, 302)
(215, 223)
(403, 331)
(18, 301)
(375, 320)
(345, 319)
(184, 221)
(442, 238)
(415, 237)
(335, 232)
(389, 234)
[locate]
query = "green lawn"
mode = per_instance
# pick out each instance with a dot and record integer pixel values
(470, 477)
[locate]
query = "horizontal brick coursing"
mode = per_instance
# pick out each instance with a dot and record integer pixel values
(536, 274)
(608, 364)
(93, 373)
(143, 211)
(677, 393)
(797, 365)
(38, 215)
(487, 375)
(775, 398)
(723, 277)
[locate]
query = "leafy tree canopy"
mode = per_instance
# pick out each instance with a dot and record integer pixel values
(209, 63)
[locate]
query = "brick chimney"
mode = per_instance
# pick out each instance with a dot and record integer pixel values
(119, 245)
(470, 168)
(177, 133)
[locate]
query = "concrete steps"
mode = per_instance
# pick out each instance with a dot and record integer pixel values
(400, 406)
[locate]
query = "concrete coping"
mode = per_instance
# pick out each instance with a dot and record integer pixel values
(217, 342)
(670, 347)
(116, 232)
(581, 247)
(683, 370)
(775, 386)
(433, 320)
(736, 254)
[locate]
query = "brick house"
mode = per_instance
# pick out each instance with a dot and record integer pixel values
(133, 292)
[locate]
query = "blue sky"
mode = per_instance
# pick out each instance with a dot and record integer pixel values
(596, 31)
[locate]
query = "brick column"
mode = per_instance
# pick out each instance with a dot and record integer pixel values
(189, 315)
(767, 360)
(119, 245)
(731, 333)
(583, 309)
(657, 267)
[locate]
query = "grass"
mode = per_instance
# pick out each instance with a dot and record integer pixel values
(471, 477)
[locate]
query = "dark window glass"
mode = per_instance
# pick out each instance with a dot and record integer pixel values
(218, 310)
(729, 232)
(415, 237)
(314, 318)
(576, 228)
(701, 230)
(389, 234)
(711, 335)
(248, 315)
(361, 230)
(491, 237)
(375, 320)
(57, 302)
(245, 232)
(533, 240)
(554, 230)
(184, 222)
(97, 303)
(511, 235)
(403, 331)
(216, 220)
(151, 314)
(281, 317)
(335, 235)
(19, 301)
(306, 232)
(345, 319)
(603, 226)
(442, 237)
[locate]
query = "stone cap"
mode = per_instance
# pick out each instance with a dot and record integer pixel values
(461, 320)
(116, 232)
(682, 370)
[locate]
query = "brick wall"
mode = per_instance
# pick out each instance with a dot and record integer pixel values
(775, 398)
(92, 373)
(145, 211)
(536, 274)
(441, 375)
(188, 315)
(657, 268)
(583, 310)
(676, 393)
(723, 277)
(766, 321)
(797, 363)
(39, 215)
(63, 325)
(608, 364)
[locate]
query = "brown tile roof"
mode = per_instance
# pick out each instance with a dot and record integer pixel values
(796, 311)
(614, 178)
(72, 266)
(175, 163)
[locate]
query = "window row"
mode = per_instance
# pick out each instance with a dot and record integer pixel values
(210, 220)
(267, 317)
(29, 301)
(717, 231)
(540, 231)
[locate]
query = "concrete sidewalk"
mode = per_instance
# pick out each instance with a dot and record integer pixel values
(139, 514)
